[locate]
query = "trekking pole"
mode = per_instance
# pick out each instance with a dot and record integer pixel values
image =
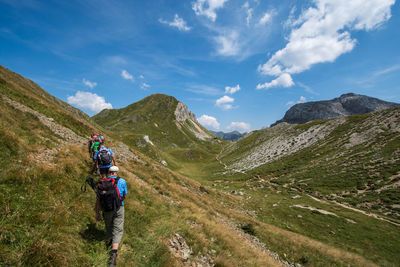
(89, 181)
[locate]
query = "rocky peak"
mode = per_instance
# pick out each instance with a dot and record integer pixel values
(345, 105)
(182, 113)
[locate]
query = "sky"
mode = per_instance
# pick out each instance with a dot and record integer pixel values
(237, 64)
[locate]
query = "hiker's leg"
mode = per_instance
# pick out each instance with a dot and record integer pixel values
(118, 227)
(108, 221)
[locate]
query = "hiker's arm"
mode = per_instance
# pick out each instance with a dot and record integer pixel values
(113, 159)
(97, 209)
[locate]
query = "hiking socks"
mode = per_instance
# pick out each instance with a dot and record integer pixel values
(114, 251)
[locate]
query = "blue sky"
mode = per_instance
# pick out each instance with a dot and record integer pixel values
(238, 65)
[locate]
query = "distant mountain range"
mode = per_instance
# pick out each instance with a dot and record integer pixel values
(231, 136)
(345, 105)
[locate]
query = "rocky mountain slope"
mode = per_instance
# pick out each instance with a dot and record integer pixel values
(212, 219)
(352, 160)
(345, 105)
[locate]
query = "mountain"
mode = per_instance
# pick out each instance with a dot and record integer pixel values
(345, 105)
(162, 127)
(231, 136)
(211, 206)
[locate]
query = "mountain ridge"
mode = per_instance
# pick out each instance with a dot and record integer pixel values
(345, 105)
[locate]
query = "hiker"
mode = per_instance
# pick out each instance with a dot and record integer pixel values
(111, 192)
(90, 143)
(101, 139)
(104, 158)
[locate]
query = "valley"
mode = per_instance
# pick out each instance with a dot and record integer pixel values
(323, 193)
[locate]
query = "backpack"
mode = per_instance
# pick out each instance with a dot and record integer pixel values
(104, 157)
(108, 194)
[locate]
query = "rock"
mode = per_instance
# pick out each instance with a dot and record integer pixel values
(178, 247)
(345, 105)
(296, 196)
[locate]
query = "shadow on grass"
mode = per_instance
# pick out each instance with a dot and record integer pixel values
(92, 233)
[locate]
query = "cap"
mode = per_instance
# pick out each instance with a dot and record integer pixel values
(113, 169)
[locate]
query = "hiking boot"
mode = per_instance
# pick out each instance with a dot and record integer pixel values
(113, 260)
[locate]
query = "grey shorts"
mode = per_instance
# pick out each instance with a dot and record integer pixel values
(114, 224)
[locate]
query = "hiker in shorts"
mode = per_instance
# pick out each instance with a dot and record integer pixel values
(113, 209)
(104, 159)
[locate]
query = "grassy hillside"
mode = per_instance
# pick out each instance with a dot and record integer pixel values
(356, 163)
(167, 139)
(224, 219)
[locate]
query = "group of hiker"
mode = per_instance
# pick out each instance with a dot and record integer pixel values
(110, 191)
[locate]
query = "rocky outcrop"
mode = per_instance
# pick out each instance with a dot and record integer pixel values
(182, 113)
(345, 105)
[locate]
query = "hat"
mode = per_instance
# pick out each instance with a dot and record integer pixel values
(113, 169)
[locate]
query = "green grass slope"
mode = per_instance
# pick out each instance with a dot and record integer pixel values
(171, 141)
(356, 163)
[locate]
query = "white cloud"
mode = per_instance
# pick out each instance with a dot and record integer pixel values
(141, 77)
(265, 18)
(232, 90)
(228, 44)
(238, 126)
(321, 33)
(144, 86)
(126, 75)
(178, 23)
(284, 80)
(302, 99)
(208, 8)
(89, 83)
(225, 102)
(89, 101)
(208, 121)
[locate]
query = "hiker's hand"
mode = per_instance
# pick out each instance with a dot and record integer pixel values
(98, 218)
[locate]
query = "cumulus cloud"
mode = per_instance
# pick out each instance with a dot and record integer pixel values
(228, 44)
(285, 80)
(208, 8)
(321, 33)
(178, 23)
(126, 75)
(238, 126)
(208, 121)
(232, 90)
(89, 101)
(89, 83)
(225, 102)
